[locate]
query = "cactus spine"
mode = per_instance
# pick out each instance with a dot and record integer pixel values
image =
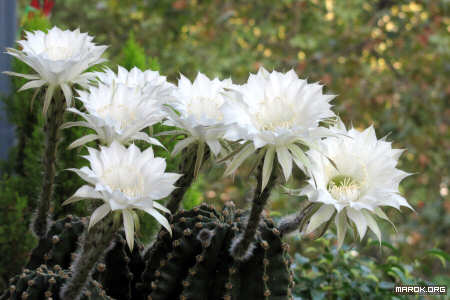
(59, 244)
(95, 242)
(190, 164)
(118, 272)
(45, 283)
(121, 268)
(54, 120)
(243, 244)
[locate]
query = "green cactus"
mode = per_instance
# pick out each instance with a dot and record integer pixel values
(45, 283)
(59, 244)
(196, 264)
(118, 272)
(121, 269)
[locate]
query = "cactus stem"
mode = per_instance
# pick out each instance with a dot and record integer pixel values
(55, 118)
(95, 243)
(187, 167)
(290, 223)
(242, 245)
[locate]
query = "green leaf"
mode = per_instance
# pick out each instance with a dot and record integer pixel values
(441, 255)
(397, 272)
(386, 285)
(318, 295)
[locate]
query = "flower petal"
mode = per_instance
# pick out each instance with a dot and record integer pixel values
(48, 98)
(182, 144)
(142, 136)
(380, 213)
(285, 160)
(128, 224)
(67, 91)
(215, 146)
(171, 132)
(160, 218)
(32, 84)
(341, 226)
(372, 224)
(84, 192)
(83, 140)
(322, 215)
(267, 167)
(76, 123)
(160, 207)
(26, 76)
(199, 158)
(99, 214)
(360, 221)
(300, 159)
(239, 159)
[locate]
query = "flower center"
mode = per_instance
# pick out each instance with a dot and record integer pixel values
(59, 52)
(275, 113)
(122, 114)
(202, 106)
(124, 179)
(344, 188)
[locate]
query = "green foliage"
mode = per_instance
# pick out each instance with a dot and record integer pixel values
(194, 196)
(15, 238)
(324, 272)
(37, 22)
(133, 55)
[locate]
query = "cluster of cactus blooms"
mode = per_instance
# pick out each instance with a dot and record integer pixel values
(277, 118)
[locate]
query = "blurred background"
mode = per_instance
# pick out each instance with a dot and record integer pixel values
(388, 62)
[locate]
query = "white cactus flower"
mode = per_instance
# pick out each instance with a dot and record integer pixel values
(59, 57)
(198, 105)
(125, 179)
(363, 178)
(277, 111)
(148, 82)
(116, 112)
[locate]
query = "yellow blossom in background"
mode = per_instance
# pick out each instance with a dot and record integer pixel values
(282, 32)
(414, 7)
(394, 10)
(391, 27)
(329, 5)
(376, 32)
(242, 43)
(257, 31)
(424, 16)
